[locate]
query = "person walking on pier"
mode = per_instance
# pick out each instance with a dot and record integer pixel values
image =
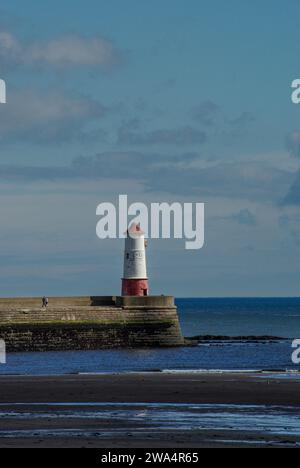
(45, 301)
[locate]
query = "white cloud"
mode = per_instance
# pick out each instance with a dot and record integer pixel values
(68, 51)
(50, 117)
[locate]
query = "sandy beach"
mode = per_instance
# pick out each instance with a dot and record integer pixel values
(152, 387)
(136, 410)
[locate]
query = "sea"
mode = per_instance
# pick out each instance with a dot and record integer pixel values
(225, 318)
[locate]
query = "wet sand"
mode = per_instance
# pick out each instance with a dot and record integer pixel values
(160, 388)
(176, 439)
(151, 387)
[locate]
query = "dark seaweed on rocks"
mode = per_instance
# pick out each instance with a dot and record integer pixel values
(201, 338)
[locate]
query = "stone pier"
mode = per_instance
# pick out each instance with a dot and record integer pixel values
(89, 323)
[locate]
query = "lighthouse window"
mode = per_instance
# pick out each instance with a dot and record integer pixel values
(127, 256)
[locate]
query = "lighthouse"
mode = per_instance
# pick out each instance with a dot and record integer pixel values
(135, 280)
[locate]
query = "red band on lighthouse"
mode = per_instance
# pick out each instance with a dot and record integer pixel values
(135, 280)
(135, 287)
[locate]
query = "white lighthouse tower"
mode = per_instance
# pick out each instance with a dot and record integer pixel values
(135, 280)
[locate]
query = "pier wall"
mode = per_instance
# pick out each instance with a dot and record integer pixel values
(89, 323)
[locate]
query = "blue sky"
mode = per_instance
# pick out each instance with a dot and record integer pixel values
(163, 101)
